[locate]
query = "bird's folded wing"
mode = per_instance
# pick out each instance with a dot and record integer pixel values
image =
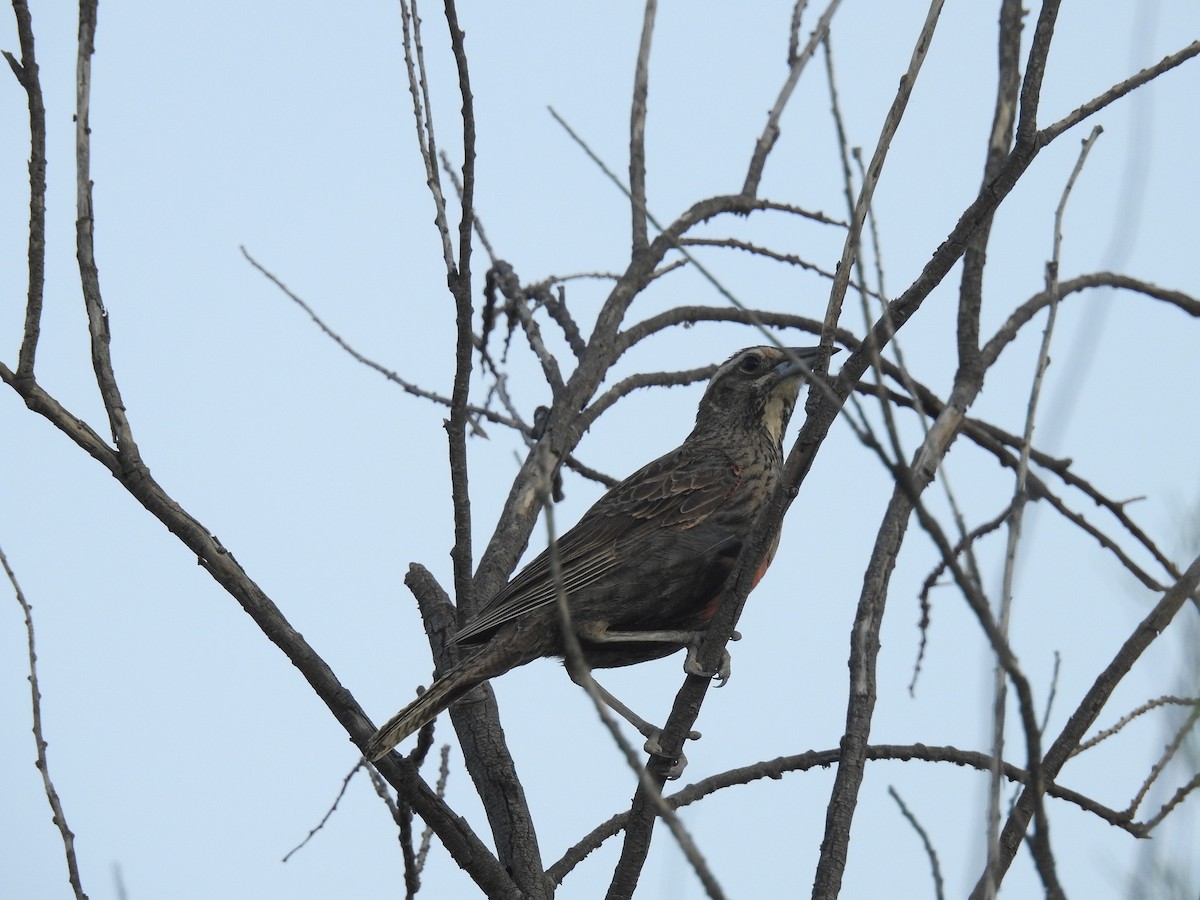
(669, 493)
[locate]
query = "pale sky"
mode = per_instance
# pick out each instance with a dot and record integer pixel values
(188, 751)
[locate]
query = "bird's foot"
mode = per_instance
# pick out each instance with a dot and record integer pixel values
(692, 666)
(678, 762)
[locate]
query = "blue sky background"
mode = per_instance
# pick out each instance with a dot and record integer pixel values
(187, 750)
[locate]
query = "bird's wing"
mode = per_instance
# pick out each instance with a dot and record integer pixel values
(676, 492)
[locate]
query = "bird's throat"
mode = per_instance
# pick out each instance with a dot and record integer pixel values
(776, 413)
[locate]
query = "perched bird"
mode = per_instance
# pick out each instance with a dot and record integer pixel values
(643, 569)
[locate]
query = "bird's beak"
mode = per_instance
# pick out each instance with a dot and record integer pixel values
(800, 361)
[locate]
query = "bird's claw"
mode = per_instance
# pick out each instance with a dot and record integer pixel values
(692, 666)
(678, 763)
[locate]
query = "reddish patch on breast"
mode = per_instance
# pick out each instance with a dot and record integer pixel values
(706, 613)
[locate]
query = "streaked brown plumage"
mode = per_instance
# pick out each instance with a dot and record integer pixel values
(643, 568)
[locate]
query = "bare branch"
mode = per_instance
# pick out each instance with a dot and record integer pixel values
(89, 275)
(414, 62)
(328, 813)
(1177, 798)
(637, 132)
(866, 192)
(931, 580)
(627, 386)
(1050, 132)
(27, 73)
(999, 703)
(1165, 757)
(1089, 708)
(457, 184)
(813, 759)
(443, 778)
(466, 848)
(789, 258)
(1131, 716)
(865, 640)
(502, 276)
(936, 870)
(43, 765)
(1035, 70)
(1031, 307)
(796, 64)
(389, 374)
(999, 147)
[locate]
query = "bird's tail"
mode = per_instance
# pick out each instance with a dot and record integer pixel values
(444, 691)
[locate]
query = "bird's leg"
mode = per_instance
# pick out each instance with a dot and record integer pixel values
(650, 732)
(691, 639)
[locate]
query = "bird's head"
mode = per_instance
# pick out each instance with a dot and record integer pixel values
(756, 389)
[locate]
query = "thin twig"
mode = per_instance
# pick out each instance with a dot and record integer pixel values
(794, 30)
(457, 184)
(440, 788)
(796, 64)
(1020, 497)
(790, 258)
(389, 374)
(328, 813)
(418, 88)
(931, 580)
(1052, 693)
(43, 765)
(935, 869)
(885, 407)
(1106, 733)
(1176, 799)
(1050, 132)
(1167, 755)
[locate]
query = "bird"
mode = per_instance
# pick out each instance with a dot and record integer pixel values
(642, 570)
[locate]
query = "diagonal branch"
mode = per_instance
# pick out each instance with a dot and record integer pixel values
(1050, 132)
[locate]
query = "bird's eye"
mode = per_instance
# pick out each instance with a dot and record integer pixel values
(751, 364)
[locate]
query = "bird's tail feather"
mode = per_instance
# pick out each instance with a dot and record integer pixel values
(444, 691)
